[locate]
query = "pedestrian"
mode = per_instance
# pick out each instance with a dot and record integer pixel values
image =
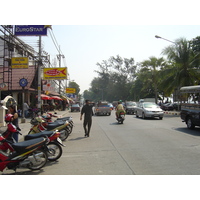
(26, 107)
(88, 113)
(12, 110)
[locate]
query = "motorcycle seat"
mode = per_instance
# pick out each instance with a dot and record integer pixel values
(28, 145)
(54, 125)
(64, 118)
(37, 135)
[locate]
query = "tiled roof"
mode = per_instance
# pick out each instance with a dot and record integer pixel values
(17, 74)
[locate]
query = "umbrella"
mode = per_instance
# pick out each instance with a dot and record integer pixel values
(56, 98)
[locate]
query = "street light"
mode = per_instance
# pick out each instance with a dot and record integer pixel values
(158, 37)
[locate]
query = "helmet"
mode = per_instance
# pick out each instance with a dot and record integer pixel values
(8, 117)
(120, 101)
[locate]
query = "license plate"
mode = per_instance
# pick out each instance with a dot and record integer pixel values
(122, 116)
(59, 140)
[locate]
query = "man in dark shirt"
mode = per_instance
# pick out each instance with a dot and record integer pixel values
(88, 112)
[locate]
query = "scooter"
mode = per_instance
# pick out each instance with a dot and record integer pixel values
(39, 125)
(48, 118)
(29, 154)
(121, 117)
(54, 143)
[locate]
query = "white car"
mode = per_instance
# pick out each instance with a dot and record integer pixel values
(149, 109)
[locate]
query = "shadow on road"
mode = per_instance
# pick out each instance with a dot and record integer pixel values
(78, 138)
(195, 132)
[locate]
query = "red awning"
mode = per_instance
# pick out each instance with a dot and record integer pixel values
(45, 97)
(56, 98)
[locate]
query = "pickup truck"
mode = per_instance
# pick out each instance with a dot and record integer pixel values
(102, 109)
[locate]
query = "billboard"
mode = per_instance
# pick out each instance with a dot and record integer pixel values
(71, 90)
(19, 62)
(55, 73)
(31, 30)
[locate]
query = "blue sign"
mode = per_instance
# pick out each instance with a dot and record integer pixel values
(71, 95)
(30, 30)
(23, 82)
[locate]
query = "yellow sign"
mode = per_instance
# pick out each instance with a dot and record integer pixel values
(55, 73)
(19, 62)
(71, 90)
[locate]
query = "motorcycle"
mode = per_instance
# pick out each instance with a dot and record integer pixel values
(39, 125)
(121, 117)
(54, 143)
(48, 118)
(29, 154)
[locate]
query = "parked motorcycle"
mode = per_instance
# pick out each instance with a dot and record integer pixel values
(39, 125)
(54, 143)
(121, 118)
(48, 118)
(29, 154)
(54, 146)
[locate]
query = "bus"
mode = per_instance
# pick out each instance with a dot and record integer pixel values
(190, 105)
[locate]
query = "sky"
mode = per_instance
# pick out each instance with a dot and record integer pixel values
(86, 45)
(91, 31)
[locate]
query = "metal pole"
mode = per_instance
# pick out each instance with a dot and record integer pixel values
(39, 74)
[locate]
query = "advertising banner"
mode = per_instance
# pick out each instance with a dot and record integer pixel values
(19, 62)
(71, 90)
(31, 30)
(55, 73)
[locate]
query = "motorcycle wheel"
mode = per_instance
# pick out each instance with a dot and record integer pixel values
(63, 134)
(55, 151)
(41, 159)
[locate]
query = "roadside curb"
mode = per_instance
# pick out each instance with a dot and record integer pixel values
(171, 113)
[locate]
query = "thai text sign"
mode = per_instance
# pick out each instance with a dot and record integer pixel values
(19, 62)
(70, 90)
(30, 30)
(55, 73)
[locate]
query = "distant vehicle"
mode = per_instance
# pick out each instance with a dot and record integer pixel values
(130, 107)
(147, 100)
(169, 106)
(102, 108)
(149, 109)
(75, 107)
(111, 106)
(190, 105)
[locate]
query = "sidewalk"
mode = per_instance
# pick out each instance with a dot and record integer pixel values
(25, 127)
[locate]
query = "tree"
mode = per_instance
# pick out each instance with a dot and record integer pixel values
(73, 84)
(149, 74)
(182, 70)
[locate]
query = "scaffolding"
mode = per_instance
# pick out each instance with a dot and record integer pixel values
(6, 52)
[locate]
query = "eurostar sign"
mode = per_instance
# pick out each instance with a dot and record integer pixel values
(31, 30)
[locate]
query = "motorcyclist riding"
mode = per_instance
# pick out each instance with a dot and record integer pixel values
(119, 108)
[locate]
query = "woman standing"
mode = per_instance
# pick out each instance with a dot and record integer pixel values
(12, 110)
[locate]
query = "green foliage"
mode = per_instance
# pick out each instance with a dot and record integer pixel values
(121, 78)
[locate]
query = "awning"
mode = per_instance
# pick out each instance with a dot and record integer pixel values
(56, 98)
(45, 97)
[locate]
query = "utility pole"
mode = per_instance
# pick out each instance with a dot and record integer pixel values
(59, 59)
(39, 73)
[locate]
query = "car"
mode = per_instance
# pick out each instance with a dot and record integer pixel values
(75, 107)
(149, 109)
(111, 106)
(130, 107)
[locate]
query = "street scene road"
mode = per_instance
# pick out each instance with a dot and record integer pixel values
(137, 147)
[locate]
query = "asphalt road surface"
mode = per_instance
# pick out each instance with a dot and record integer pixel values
(137, 147)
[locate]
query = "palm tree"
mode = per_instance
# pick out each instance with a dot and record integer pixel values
(150, 73)
(182, 70)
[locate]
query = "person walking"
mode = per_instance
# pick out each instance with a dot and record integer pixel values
(26, 107)
(88, 113)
